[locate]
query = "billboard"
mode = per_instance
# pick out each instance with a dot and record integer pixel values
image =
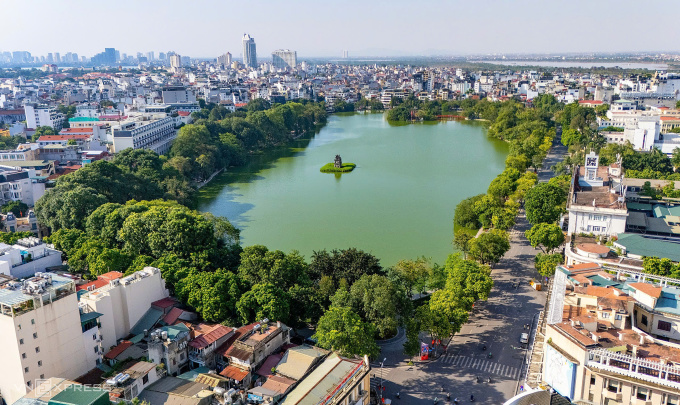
(559, 372)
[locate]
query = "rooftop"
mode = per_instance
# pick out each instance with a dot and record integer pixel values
(18, 293)
(645, 245)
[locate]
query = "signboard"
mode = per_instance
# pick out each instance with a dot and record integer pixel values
(559, 372)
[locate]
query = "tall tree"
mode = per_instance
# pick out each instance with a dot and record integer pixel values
(547, 237)
(341, 329)
(544, 203)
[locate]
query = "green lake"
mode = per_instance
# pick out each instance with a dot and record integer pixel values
(397, 204)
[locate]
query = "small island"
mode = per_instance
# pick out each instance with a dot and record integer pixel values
(338, 166)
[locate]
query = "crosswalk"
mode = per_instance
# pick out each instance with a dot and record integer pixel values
(375, 370)
(482, 365)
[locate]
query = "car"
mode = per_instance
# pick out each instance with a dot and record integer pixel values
(524, 338)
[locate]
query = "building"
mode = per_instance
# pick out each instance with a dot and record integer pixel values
(611, 337)
(168, 345)
(41, 334)
(27, 256)
(249, 51)
(224, 60)
(203, 348)
(16, 185)
(337, 381)
(128, 384)
(172, 95)
(284, 59)
(175, 62)
(596, 201)
(154, 132)
(42, 116)
(125, 302)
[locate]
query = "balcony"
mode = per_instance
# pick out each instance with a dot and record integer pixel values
(634, 367)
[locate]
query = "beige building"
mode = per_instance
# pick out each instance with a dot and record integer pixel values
(42, 334)
(610, 337)
(124, 302)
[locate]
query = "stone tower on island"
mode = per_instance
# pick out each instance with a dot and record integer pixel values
(338, 162)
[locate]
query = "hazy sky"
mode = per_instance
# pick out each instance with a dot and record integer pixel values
(207, 28)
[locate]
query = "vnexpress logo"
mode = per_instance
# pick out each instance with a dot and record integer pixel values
(42, 387)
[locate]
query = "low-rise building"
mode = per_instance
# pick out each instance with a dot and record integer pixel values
(153, 132)
(203, 347)
(27, 256)
(168, 345)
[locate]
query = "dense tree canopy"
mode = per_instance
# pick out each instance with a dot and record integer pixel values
(545, 203)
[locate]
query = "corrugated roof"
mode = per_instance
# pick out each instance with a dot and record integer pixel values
(649, 246)
(80, 395)
(322, 382)
(297, 361)
(668, 301)
(89, 316)
(218, 332)
(113, 353)
(147, 321)
(234, 373)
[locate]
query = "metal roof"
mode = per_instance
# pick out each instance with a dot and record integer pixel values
(15, 297)
(650, 246)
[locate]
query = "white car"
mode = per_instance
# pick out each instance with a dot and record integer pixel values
(524, 338)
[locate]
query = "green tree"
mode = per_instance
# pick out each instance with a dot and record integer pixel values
(544, 203)
(489, 247)
(214, 295)
(342, 330)
(18, 208)
(11, 238)
(349, 264)
(377, 301)
(461, 240)
(260, 265)
(547, 237)
(466, 214)
(546, 263)
(264, 300)
(411, 274)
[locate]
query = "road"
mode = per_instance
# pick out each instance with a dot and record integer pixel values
(496, 323)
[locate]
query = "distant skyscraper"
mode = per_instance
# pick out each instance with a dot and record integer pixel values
(50, 58)
(57, 57)
(345, 54)
(175, 61)
(106, 58)
(224, 60)
(284, 58)
(161, 56)
(249, 51)
(150, 56)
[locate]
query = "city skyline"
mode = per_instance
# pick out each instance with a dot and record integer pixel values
(533, 27)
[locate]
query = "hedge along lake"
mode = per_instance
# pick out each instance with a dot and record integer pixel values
(397, 204)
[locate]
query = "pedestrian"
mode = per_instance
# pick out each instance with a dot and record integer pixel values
(521, 388)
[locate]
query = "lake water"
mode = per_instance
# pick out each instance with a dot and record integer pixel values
(398, 203)
(579, 64)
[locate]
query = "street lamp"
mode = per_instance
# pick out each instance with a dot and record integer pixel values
(381, 378)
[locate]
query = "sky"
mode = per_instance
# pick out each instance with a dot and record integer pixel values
(324, 28)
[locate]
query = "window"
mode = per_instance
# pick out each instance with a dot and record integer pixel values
(35, 335)
(672, 400)
(19, 327)
(643, 320)
(23, 355)
(42, 376)
(39, 363)
(596, 229)
(94, 336)
(592, 380)
(96, 349)
(25, 369)
(642, 393)
(618, 317)
(145, 379)
(21, 341)
(32, 321)
(605, 314)
(613, 386)
(37, 349)
(663, 325)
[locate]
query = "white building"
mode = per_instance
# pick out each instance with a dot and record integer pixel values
(154, 132)
(124, 302)
(43, 116)
(28, 256)
(178, 95)
(596, 202)
(41, 334)
(284, 59)
(16, 185)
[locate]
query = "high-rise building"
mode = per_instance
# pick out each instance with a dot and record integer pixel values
(44, 333)
(224, 60)
(249, 51)
(345, 54)
(150, 56)
(175, 61)
(57, 57)
(161, 56)
(108, 57)
(284, 58)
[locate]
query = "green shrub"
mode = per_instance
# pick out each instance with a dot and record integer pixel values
(330, 168)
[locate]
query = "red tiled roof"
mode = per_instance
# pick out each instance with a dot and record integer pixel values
(234, 373)
(62, 137)
(67, 131)
(94, 284)
(222, 350)
(667, 118)
(219, 331)
(647, 289)
(183, 113)
(113, 353)
(112, 275)
(164, 303)
(172, 316)
(270, 362)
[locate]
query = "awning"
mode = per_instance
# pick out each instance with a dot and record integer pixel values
(234, 373)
